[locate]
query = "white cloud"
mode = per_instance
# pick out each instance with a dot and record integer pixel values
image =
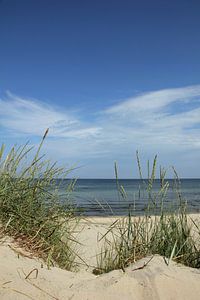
(166, 122)
(155, 101)
(25, 116)
(151, 119)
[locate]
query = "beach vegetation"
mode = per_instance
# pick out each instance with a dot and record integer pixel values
(30, 210)
(165, 230)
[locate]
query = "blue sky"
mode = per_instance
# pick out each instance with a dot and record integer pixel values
(107, 77)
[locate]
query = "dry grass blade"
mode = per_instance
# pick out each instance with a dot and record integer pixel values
(34, 270)
(144, 265)
(19, 292)
(43, 291)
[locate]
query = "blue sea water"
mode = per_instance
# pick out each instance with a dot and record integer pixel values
(97, 197)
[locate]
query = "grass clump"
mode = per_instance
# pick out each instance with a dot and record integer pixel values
(29, 205)
(167, 231)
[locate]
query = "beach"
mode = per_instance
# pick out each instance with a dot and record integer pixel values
(99, 150)
(24, 277)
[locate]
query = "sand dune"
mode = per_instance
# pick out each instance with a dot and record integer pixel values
(18, 278)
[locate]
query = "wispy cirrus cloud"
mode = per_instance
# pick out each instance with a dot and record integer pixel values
(156, 101)
(165, 122)
(27, 116)
(170, 116)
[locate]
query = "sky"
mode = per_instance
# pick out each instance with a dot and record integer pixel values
(107, 78)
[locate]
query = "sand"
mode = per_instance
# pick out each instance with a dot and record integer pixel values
(22, 277)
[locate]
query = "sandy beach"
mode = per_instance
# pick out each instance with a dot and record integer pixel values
(99, 150)
(24, 277)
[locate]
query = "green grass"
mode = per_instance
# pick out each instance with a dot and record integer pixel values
(169, 232)
(29, 205)
(31, 213)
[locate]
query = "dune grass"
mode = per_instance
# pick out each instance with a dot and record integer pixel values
(31, 213)
(167, 231)
(29, 205)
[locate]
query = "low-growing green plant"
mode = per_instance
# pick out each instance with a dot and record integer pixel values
(167, 231)
(30, 210)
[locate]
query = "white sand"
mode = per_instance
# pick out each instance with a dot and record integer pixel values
(155, 281)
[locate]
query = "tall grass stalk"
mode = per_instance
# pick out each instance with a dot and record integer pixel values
(167, 231)
(29, 205)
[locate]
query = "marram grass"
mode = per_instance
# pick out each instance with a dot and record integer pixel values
(31, 213)
(29, 207)
(169, 232)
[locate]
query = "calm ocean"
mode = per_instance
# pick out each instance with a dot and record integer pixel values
(100, 197)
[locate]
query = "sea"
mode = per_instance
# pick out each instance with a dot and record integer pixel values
(106, 197)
